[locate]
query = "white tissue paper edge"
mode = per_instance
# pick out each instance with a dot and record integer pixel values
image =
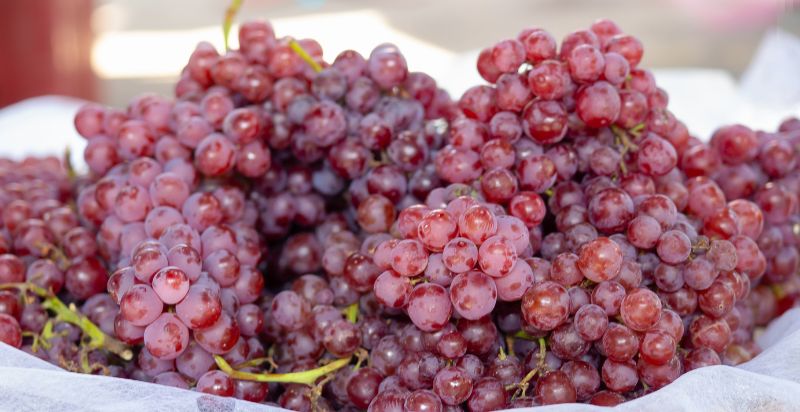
(770, 382)
(704, 99)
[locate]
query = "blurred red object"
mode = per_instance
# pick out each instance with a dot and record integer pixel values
(46, 48)
(732, 15)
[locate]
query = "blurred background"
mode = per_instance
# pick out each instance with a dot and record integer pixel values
(110, 50)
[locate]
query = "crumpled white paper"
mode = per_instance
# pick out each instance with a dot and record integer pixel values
(28, 383)
(768, 383)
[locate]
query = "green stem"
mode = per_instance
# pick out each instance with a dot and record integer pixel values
(55, 254)
(624, 140)
(418, 279)
(254, 362)
(635, 130)
(522, 386)
(542, 351)
(351, 312)
(300, 51)
(777, 290)
(230, 13)
(46, 335)
(305, 377)
(97, 339)
(521, 334)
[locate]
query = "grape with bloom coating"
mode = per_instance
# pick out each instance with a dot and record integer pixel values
(640, 309)
(473, 294)
(545, 305)
(429, 306)
(600, 259)
(497, 256)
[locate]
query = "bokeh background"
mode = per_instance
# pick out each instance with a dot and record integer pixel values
(111, 50)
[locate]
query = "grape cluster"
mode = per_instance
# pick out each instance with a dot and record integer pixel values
(645, 264)
(461, 257)
(183, 255)
(759, 171)
(47, 250)
(345, 236)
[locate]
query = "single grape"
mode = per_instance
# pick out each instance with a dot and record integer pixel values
(429, 306)
(473, 294)
(545, 305)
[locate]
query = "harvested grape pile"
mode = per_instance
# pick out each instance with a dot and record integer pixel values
(344, 236)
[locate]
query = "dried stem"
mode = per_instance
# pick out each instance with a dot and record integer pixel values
(510, 345)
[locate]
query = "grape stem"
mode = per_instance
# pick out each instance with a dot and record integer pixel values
(420, 279)
(46, 334)
(86, 367)
(54, 254)
(778, 291)
(622, 139)
(351, 312)
(70, 314)
(510, 345)
(521, 334)
(300, 51)
(627, 144)
(316, 391)
(308, 377)
(257, 362)
(71, 174)
(501, 354)
(540, 368)
(360, 355)
(702, 245)
(230, 13)
(637, 130)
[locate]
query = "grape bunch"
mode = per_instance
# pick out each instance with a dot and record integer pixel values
(645, 267)
(345, 236)
(759, 170)
(179, 187)
(47, 251)
(183, 256)
(461, 257)
(43, 240)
